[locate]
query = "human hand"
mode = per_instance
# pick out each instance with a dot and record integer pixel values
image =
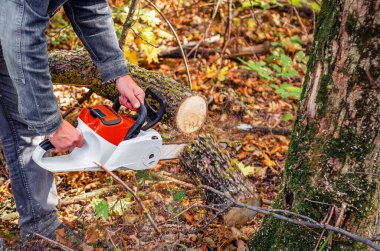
(66, 138)
(130, 93)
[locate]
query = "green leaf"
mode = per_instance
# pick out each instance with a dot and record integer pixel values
(296, 39)
(285, 60)
(179, 196)
(101, 208)
(170, 208)
(118, 207)
(300, 55)
(315, 6)
(295, 3)
(287, 117)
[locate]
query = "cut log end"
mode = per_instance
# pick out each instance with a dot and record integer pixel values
(191, 114)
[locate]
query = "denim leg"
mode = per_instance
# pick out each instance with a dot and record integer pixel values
(33, 187)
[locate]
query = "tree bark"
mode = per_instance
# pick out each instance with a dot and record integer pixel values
(207, 164)
(186, 111)
(334, 151)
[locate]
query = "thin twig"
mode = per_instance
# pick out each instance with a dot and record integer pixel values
(207, 29)
(188, 208)
(57, 244)
(127, 24)
(294, 221)
(80, 101)
(144, 209)
(177, 38)
(227, 35)
(210, 221)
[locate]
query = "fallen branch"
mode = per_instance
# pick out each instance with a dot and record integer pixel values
(55, 243)
(143, 208)
(264, 129)
(89, 195)
(174, 52)
(304, 223)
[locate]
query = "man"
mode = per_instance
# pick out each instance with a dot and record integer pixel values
(28, 107)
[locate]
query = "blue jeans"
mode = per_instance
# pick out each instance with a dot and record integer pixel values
(33, 187)
(28, 107)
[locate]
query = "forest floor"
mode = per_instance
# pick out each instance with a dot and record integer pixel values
(262, 99)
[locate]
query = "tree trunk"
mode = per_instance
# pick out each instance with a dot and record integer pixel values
(186, 111)
(334, 152)
(207, 164)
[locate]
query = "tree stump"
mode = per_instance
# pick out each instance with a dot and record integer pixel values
(208, 164)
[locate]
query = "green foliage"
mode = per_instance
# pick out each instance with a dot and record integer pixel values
(118, 207)
(259, 67)
(101, 207)
(287, 90)
(279, 65)
(142, 175)
(287, 117)
(312, 4)
(179, 196)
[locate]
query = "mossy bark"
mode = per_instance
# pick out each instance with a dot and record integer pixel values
(207, 164)
(76, 68)
(334, 153)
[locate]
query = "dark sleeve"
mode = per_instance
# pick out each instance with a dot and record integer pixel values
(92, 22)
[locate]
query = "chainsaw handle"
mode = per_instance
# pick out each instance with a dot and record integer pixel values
(154, 116)
(46, 145)
(146, 112)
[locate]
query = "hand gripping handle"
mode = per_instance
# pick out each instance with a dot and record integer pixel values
(139, 121)
(146, 112)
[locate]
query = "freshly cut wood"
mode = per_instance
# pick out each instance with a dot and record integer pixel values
(208, 164)
(186, 111)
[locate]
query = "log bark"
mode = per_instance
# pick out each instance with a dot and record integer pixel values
(334, 152)
(208, 164)
(186, 111)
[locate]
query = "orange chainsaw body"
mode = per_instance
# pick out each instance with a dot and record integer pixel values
(107, 123)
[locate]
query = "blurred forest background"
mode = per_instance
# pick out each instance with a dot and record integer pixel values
(248, 58)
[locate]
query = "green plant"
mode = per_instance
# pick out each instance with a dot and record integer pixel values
(287, 90)
(259, 67)
(101, 207)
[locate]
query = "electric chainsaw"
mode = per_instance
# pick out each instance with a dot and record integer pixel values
(115, 140)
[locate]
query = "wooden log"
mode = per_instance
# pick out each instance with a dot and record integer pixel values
(174, 52)
(258, 49)
(186, 111)
(208, 164)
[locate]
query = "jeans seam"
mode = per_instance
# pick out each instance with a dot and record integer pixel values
(21, 163)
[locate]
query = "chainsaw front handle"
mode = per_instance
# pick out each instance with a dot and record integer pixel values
(146, 112)
(153, 115)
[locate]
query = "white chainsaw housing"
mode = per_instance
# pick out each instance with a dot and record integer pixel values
(139, 153)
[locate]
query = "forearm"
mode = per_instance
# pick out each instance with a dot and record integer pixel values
(92, 21)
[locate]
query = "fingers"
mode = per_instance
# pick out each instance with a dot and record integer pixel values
(133, 99)
(125, 102)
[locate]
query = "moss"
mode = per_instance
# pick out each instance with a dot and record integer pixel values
(69, 77)
(349, 144)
